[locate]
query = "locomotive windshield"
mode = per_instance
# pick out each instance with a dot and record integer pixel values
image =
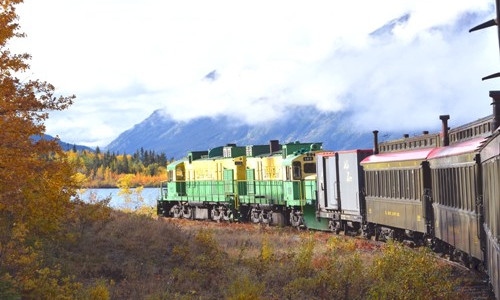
(296, 169)
(310, 168)
(179, 174)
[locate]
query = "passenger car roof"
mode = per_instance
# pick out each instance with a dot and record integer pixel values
(458, 148)
(419, 154)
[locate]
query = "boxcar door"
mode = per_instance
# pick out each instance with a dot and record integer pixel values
(349, 182)
(332, 195)
(322, 190)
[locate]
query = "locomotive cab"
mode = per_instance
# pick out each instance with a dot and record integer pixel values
(175, 185)
(299, 179)
(299, 183)
(173, 188)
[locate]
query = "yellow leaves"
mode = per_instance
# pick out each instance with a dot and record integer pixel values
(105, 169)
(245, 289)
(405, 273)
(134, 197)
(266, 251)
(35, 181)
(146, 211)
(31, 174)
(79, 179)
(32, 280)
(48, 283)
(99, 292)
(19, 232)
(305, 255)
(337, 244)
(124, 184)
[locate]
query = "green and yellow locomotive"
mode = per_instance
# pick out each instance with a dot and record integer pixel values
(264, 184)
(204, 185)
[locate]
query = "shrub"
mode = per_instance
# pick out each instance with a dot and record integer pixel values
(404, 273)
(244, 289)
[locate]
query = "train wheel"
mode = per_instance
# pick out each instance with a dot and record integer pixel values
(377, 233)
(187, 212)
(478, 265)
(226, 214)
(176, 211)
(366, 232)
(296, 219)
(331, 226)
(216, 214)
(265, 217)
(255, 216)
(390, 235)
(278, 219)
(334, 226)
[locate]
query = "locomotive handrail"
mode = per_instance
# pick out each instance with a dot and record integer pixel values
(270, 191)
(302, 191)
(213, 184)
(163, 189)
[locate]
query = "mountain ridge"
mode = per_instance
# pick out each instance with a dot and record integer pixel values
(160, 132)
(65, 146)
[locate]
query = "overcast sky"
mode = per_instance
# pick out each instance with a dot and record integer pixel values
(397, 64)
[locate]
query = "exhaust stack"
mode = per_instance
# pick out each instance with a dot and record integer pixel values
(375, 142)
(496, 110)
(444, 130)
(274, 145)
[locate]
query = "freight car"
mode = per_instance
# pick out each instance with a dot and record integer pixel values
(340, 196)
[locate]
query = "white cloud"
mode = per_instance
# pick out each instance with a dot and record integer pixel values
(124, 59)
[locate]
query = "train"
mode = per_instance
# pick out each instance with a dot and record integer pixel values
(441, 190)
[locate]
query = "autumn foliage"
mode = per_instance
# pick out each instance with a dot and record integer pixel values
(35, 179)
(99, 169)
(53, 245)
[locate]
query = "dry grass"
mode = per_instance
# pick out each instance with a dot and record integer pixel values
(250, 244)
(129, 256)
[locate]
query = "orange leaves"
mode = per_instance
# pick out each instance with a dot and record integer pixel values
(35, 180)
(106, 169)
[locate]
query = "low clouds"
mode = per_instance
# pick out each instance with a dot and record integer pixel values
(396, 64)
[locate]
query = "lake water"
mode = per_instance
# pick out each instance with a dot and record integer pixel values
(148, 196)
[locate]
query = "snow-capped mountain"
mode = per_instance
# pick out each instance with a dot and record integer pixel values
(306, 124)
